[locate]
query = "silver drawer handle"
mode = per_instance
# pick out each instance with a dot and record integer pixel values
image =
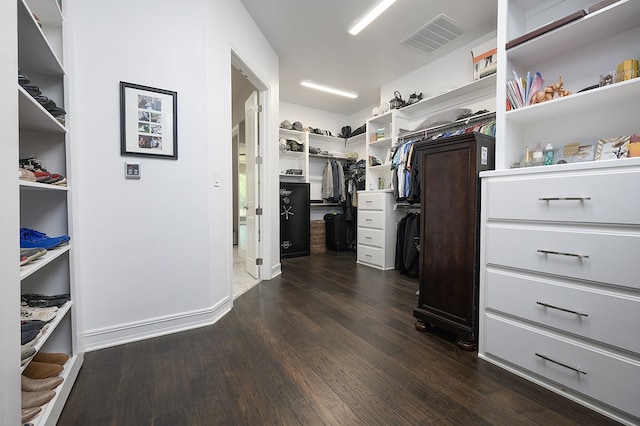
(368, 255)
(559, 253)
(367, 237)
(368, 220)
(369, 201)
(546, 358)
(546, 305)
(564, 199)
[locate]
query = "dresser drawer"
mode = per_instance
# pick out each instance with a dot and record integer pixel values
(610, 379)
(371, 219)
(371, 255)
(595, 256)
(371, 201)
(370, 237)
(595, 314)
(600, 198)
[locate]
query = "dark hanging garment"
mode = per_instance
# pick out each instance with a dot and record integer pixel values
(399, 263)
(410, 252)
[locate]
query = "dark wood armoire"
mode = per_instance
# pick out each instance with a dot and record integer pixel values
(449, 232)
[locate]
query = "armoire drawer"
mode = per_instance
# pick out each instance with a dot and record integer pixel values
(371, 255)
(371, 219)
(594, 256)
(599, 315)
(592, 372)
(371, 201)
(370, 237)
(566, 198)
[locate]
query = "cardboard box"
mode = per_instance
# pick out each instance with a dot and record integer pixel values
(485, 64)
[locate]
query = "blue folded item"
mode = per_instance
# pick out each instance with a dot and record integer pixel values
(30, 238)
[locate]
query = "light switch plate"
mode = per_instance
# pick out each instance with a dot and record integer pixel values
(131, 170)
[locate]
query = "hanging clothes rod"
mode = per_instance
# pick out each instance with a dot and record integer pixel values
(484, 118)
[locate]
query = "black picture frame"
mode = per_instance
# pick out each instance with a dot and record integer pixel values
(148, 121)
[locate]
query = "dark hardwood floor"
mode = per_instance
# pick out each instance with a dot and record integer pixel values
(326, 343)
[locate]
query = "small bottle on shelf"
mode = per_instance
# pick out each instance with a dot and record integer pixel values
(548, 154)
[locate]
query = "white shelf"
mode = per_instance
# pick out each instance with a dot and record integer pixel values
(25, 184)
(53, 324)
(607, 98)
(327, 157)
(39, 263)
(34, 51)
(48, 11)
(468, 93)
(34, 117)
(386, 166)
(53, 408)
(292, 154)
(606, 22)
(379, 142)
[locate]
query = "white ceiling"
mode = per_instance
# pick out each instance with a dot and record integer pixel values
(311, 39)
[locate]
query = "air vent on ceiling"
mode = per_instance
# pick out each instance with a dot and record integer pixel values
(435, 34)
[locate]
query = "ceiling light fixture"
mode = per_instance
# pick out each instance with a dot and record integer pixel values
(372, 14)
(345, 93)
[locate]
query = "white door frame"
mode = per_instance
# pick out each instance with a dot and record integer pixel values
(263, 91)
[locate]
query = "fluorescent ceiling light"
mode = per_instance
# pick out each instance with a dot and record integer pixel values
(328, 89)
(372, 14)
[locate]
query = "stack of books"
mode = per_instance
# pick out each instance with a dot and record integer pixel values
(520, 90)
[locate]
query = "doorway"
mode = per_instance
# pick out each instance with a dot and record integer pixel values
(244, 85)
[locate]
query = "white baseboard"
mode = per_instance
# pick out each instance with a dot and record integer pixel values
(132, 332)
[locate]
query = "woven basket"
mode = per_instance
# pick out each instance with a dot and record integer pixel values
(317, 243)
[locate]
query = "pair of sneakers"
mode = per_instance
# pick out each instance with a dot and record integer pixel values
(29, 254)
(30, 238)
(31, 168)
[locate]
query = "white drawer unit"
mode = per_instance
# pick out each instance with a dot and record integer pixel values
(377, 226)
(571, 364)
(559, 288)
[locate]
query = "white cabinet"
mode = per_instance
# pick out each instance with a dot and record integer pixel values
(559, 295)
(377, 226)
(45, 207)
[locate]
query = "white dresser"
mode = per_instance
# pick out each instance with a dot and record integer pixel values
(377, 226)
(560, 280)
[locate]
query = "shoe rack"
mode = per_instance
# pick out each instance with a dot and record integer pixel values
(44, 56)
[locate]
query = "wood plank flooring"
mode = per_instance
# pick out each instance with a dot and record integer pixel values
(326, 343)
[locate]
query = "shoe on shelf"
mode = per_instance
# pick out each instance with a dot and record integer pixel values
(44, 301)
(32, 90)
(29, 254)
(23, 79)
(42, 314)
(42, 370)
(52, 357)
(25, 174)
(30, 238)
(37, 398)
(29, 413)
(26, 354)
(42, 175)
(34, 385)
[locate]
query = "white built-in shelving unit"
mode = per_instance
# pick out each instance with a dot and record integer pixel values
(559, 295)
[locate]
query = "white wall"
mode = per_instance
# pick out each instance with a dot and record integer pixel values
(155, 253)
(452, 70)
(313, 117)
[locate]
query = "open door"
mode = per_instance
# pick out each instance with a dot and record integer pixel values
(253, 260)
